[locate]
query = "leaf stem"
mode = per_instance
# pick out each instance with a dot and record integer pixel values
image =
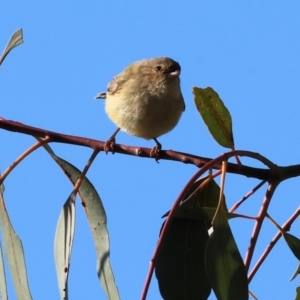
(23, 156)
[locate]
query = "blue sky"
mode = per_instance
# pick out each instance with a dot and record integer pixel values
(247, 51)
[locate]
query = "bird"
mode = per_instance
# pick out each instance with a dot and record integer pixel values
(145, 100)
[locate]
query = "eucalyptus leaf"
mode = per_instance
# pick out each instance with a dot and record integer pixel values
(15, 40)
(14, 253)
(293, 243)
(192, 207)
(296, 273)
(210, 213)
(297, 293)
(215, 115)
(224, 264)
(3, 287)
(64, 236)
(97, 220)
(180, 264)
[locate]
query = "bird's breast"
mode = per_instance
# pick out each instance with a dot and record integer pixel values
(148, 114)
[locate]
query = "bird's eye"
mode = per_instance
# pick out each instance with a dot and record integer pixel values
(158, 68)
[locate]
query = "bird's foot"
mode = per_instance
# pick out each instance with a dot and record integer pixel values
(155, 151)
(110, 145)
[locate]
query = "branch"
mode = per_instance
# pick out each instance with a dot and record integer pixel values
(259, 173)
(286, 226)
(259, 221)
(40, 143)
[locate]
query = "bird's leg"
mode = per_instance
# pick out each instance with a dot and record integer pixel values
(156, 149)
(110, 143)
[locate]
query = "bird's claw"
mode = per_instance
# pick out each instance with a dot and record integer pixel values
(110, 145)
(155, 151)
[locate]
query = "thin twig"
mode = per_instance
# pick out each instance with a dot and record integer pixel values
(23, 156)
(286, 226)
(259, 221)
(235, 206)
(202, 184)
(221, 197)
(256, 156)
(83, 173)
(253, 296)
(245, 216)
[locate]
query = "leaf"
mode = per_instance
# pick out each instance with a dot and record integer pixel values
(296, 273)
(206, 196)
(298, 293)
(97, 220)
(14, 253)
(224, 265)
(3, 288)
(195, 200)
(63, 243)
(210, 212)
(293, 243)
(15, 40)
(215, 115)
(180, 265)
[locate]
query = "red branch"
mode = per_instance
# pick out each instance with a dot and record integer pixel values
(259, 221)
(286, 226)
(198, 161)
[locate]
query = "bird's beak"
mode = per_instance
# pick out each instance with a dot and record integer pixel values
(175, 73)
(100, 96)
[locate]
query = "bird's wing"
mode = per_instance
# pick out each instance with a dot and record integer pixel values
(115, 85)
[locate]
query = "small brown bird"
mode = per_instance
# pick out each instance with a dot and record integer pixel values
(145, 100)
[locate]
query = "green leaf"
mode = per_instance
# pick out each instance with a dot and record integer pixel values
(224, 265)
(298, 293)
(96, 216)
(293, 243)
(207, 196)
(215, 115)
(210, 212)
(180, 264)
(180, 267)
(196, 199)
(3, 287)
(14, 253)
(15, 40)
(64, 236)
(297, 272)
